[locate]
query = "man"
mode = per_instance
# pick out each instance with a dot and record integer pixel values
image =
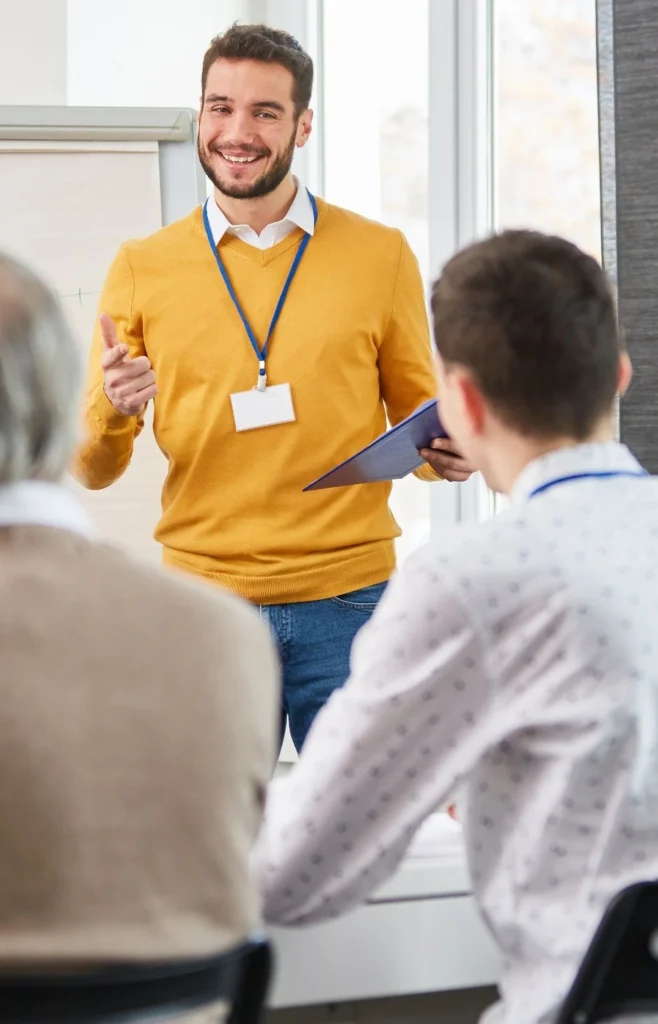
(518, 655)
(201, 313)
(139, 712)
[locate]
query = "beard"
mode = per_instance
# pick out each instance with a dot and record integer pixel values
(269, 180)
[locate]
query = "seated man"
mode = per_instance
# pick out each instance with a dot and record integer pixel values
(138, 712)
(518, 655)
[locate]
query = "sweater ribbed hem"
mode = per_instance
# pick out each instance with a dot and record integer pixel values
(316, 584)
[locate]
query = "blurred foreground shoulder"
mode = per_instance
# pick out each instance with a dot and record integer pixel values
(177, 612)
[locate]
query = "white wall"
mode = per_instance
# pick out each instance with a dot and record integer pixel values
(123, 52)
(141, 52)
(32, 51)
(149, 52)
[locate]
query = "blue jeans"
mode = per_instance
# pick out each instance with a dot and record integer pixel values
(314, 640)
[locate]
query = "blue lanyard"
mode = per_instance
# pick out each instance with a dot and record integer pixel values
(261, 353)
(604, 475)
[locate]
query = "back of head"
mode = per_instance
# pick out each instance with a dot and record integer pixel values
(269, 46)
(39, 379)
(533, 319)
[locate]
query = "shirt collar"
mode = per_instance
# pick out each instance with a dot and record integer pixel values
(597, 457)
(300, 215)
(36, 503)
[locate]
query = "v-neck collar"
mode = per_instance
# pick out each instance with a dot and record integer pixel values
(229, 243)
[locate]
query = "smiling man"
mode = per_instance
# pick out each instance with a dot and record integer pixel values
(277, 332)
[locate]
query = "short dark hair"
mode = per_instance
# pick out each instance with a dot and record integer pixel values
(269, 45)
(533, 318)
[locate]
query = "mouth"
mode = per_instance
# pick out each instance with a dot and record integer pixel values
(240, 159)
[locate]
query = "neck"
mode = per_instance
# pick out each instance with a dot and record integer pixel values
(258, 213)
(513, 452)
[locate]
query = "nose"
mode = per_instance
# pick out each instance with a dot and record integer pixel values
(242, 128)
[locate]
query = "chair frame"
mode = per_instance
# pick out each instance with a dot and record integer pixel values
(619, 972)
(133, 992)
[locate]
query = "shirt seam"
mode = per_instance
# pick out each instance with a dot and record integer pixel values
(395, 286)
(132, 286)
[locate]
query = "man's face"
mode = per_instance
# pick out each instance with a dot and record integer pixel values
(248, 129)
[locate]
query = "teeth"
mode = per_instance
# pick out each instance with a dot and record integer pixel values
(239, 159)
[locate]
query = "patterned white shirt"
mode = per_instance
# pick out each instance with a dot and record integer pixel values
(300, 215)
(520, 656)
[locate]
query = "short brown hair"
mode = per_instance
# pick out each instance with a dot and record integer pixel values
(269, 45)
(533, 318)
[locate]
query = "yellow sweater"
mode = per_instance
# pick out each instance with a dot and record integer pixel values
(352, 342)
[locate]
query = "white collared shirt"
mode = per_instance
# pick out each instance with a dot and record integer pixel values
(300, 215)
(520, 656)
(36, 503)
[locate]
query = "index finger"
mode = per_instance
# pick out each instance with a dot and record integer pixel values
(108, 331)
(114, 356)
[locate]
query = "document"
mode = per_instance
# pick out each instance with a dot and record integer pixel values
(391, 456)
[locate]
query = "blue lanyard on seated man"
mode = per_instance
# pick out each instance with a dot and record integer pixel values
(603, 475)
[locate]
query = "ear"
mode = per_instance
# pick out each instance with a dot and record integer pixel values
(625, 373)
(472, 401)
(304, 128)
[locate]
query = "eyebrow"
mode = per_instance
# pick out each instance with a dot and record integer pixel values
(269, 104)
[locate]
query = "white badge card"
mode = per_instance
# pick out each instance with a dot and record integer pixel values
(253, 409)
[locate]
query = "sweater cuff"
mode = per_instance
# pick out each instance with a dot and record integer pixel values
(425, 472)
(105, 414)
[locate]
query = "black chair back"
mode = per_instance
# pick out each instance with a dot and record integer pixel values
(130, 993)
(619, 974)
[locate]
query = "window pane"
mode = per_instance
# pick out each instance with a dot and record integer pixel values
(546, 118)
(375, 137)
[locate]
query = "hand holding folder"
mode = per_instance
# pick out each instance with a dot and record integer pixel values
(391, 456)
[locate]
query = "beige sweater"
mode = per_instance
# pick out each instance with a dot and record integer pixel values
(138, 720)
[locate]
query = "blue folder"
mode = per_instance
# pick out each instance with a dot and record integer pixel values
(391, 456)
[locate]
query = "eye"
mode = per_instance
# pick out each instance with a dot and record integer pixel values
(267, 115)
(219, 109)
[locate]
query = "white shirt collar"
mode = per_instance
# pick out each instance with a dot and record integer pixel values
(35, 503)
(300, 215)
(598, 457)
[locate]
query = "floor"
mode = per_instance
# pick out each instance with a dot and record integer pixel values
(463, 1007)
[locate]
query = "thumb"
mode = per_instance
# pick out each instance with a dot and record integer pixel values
(108, 332)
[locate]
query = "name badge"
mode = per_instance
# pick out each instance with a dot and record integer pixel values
(254, 409)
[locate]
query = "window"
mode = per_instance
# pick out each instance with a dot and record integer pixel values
(546, 118)
(546, 143)
(375, 118)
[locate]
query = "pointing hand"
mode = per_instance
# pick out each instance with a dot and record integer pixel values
(129, 383)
